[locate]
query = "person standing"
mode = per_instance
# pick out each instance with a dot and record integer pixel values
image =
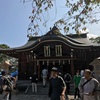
(44, 76)
(34, 83)
(77, 79)
(82, 73)
(57, 86)
(68, 80)
(15, 76)
(88, 86)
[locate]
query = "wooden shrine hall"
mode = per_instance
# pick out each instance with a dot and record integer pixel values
(67, 52)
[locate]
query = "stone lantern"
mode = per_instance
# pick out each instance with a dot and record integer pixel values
(96, 65)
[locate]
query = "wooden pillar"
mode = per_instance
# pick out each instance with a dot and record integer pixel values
(35, 66)
(19, 66)
(72, 67)
(39, 73)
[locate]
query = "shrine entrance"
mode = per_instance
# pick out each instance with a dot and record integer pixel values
(64, 66)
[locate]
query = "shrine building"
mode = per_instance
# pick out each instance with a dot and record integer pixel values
(66, 52)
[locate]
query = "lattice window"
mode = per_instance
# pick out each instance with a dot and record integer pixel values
(58, 50)
(46, 51)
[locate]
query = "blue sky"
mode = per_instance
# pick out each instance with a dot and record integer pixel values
(14, 21)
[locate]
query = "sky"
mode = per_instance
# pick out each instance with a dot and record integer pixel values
(14, 21)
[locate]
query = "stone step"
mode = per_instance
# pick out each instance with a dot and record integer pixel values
(25, 87)
(40, 90)
(44, 90)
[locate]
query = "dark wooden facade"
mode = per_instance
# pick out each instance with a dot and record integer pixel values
(68, 53)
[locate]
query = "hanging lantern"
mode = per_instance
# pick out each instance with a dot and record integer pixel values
(59, 62)
(68, 61)
(53, 62)
(43, 62)
(34, 56)
(37, 62)
(63, 62)
(47, 63)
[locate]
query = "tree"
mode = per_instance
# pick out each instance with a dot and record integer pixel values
(3, 57)
(4, 46)
(80, 12)
(95, 40)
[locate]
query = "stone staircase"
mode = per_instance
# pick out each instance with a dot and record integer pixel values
(44, 90)
(72, 90)
(40, 90)
(26, 88)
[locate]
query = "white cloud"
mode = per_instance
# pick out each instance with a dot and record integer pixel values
(92, 36)
(88, 35)
(84, 30)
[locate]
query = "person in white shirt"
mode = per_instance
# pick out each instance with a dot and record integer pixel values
(82, 73)
(88, 86)
(44, 76)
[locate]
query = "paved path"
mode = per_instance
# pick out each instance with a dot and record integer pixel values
(41, 95)
(32, 97)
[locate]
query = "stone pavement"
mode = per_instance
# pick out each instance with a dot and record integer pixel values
(28, 95)
(32, 97)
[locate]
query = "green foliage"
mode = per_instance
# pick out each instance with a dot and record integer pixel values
(80, 12)
(4, 46)
(3, 57)
(95, 40)
(40, 8)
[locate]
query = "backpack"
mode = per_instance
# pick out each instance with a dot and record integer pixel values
(8, 84)
(67, 78)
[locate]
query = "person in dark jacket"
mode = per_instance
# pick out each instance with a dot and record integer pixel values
(34, 83)
(68, 80)
(57, 86)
